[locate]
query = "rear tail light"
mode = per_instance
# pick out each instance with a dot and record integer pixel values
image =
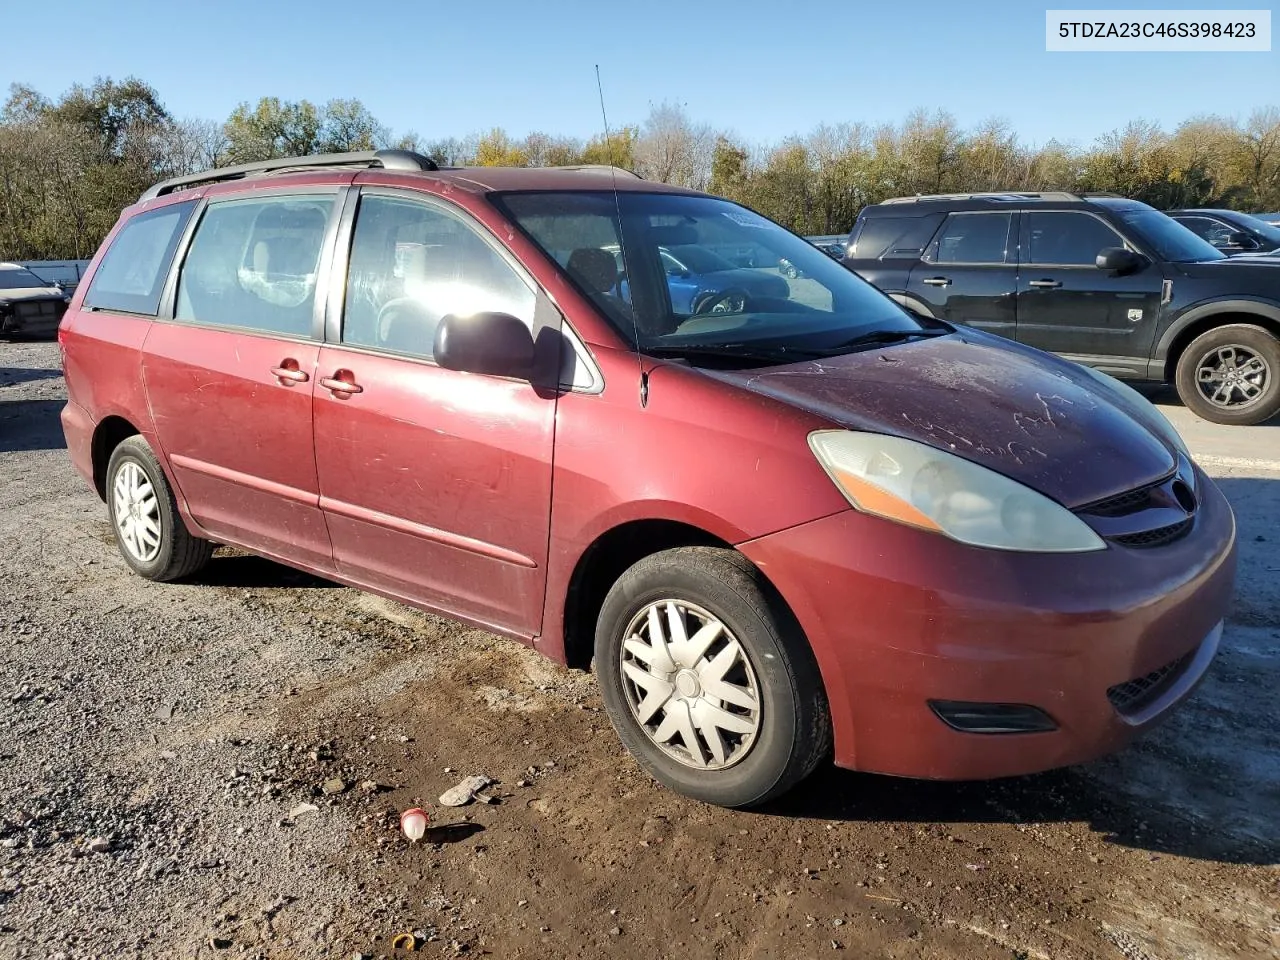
(992, 717)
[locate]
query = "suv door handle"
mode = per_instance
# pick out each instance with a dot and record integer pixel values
(288, 373)
(342, 381)
(1045, 284)
(937, 281)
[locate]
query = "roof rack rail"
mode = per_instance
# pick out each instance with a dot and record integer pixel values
(989, 195)
(599, 168)
(386, 159)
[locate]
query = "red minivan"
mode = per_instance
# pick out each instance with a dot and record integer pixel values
(782, 516)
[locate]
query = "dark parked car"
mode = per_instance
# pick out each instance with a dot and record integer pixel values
(1230, 231)
(1110, 283)
(832, 246)
(29, 306)
(789, 529)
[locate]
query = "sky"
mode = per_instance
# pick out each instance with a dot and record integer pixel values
(761, 70)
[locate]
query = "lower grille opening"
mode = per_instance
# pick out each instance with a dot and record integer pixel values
(968, 717)
(1133, 695)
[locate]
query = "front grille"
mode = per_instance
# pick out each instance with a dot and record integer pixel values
(1154, 538)
(38, 310)
(1133, 695)
(1129, 502)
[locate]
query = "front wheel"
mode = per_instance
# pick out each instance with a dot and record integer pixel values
(1231, 374)
(708, 680)
(144, 516)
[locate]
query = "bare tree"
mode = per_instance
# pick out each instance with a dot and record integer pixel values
(673, 149)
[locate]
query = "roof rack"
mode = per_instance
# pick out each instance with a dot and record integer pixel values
(599, 168)
(386, 159)
(993, 195)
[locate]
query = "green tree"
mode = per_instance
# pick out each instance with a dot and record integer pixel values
(273, 128)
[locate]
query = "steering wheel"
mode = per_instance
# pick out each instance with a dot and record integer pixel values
(726, 301)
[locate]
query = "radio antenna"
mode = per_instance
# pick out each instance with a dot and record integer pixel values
(622, 245)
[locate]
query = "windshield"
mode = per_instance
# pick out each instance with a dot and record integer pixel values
(728, 295)
(1259, 227)
(1170, 239)
(19, 279)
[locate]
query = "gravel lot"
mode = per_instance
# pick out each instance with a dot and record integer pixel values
(216, 769)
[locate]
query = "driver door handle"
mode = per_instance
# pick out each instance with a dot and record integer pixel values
(937, 281)
(342, 381)
(1045, 284)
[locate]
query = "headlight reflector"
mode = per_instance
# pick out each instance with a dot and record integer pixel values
(920, 486)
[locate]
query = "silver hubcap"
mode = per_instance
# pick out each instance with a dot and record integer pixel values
(137, 512)
(1232, 376)
(690, 685)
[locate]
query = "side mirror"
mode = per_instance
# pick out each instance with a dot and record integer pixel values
(496, 344)
(1119, 261)
(1241, 240)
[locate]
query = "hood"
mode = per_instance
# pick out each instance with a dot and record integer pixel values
(1256, 276)
(32, 293)
(765, 284)
(1034, 418)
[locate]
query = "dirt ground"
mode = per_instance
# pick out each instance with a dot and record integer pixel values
(216, 769)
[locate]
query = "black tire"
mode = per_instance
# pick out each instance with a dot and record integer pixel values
(1201, 352)
(794, 731)
(180, 554)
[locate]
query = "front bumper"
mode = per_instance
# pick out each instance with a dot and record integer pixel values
(33, 317)
(1104, 643)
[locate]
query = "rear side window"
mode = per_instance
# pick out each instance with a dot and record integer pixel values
(974, 238)
(131, 275)
(254, 264)
(888, 238)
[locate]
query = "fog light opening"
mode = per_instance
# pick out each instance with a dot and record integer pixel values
(995, 718)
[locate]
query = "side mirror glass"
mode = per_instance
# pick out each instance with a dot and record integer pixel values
(496, 344)
(1119, 260)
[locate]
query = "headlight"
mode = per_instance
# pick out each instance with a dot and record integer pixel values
(922, 487)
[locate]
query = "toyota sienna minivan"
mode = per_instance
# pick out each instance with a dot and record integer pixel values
(787, 521)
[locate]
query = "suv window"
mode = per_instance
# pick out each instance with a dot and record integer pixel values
(974, 238)
(131, 276)
(886, 238)
(412, 263)
(1067, 238)
(1215, 231)
(253, 264)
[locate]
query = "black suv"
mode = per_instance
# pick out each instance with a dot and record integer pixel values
(1108, 282)
(1230, 231)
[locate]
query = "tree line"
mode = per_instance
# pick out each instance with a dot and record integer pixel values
(69, 165)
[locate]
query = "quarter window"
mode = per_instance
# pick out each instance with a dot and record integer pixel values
(131, 276)
(254, 264)
(414, 263)
(1071, 239)
(974, 238)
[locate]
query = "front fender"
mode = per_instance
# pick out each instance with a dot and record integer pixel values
(1268, 309)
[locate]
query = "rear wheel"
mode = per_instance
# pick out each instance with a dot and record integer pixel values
(708, 680)
(144, 516)
(1231, 374)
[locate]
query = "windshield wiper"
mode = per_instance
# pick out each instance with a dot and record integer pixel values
(732, 351)
(888, 336)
